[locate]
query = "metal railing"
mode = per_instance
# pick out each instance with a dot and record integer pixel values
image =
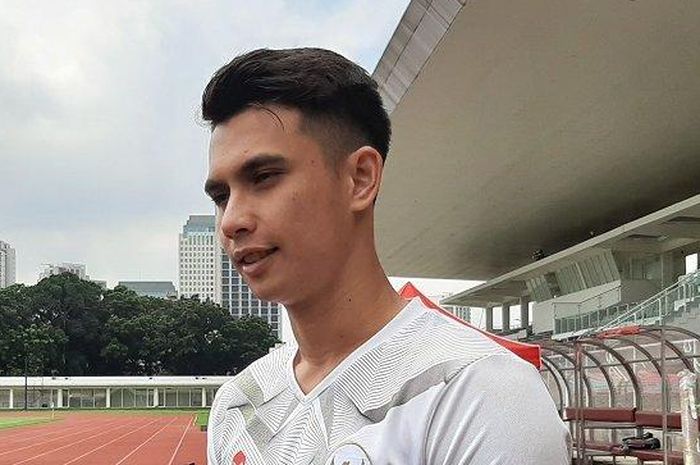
(668, 303)
(591, 319)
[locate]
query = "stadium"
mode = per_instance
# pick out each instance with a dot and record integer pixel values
(550, 150)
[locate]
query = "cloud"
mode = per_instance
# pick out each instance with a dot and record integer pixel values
(101, 156)
(140, 249)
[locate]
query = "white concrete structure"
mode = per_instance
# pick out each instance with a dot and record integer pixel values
(196, 252)
(8, 265)
(51, 269)
(109, 391)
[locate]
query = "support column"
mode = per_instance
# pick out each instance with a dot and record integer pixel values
(155, 397)
(59, 398)
(12, 398)
(524, 312)
(108, 398)
(505, 317)
(489, 319)
(204, 397)
(667, 269)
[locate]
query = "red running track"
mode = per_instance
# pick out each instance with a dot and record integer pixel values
(96, 439)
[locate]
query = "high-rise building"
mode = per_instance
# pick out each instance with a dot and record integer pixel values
(52, 269)
(207, 271)
(197, 246)
(239, 300)
(8, 265)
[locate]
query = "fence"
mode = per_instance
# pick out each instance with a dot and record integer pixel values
(108, 392)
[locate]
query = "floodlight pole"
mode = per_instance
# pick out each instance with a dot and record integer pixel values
(25, 380)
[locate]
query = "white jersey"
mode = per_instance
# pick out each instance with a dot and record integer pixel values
(424, 390)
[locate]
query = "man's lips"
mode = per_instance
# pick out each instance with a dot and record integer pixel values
(251, 255)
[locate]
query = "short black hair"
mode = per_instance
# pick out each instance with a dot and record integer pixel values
(339, 102)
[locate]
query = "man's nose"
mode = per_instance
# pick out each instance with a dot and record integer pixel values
(237, 219)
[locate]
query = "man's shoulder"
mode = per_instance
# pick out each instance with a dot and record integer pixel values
(441, 336)
(429, 349)
(501, 399)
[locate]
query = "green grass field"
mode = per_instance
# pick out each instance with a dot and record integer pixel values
(33, 417)
(14, 422)
(202, 418)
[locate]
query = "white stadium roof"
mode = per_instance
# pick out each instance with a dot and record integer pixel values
(532, 125)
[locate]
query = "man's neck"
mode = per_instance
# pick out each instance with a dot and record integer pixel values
(329, 329)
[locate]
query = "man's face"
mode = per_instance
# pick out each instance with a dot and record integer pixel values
(283, 213)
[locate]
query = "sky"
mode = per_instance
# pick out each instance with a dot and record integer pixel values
(102, 154)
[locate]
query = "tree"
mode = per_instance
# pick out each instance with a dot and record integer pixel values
(74, 306)
(73, 327)
(26, 341)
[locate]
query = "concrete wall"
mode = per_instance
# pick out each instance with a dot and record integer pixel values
(589, 300)
(543, 316)
(638, 290)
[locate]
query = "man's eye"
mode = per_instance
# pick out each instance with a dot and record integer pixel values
(264, 176)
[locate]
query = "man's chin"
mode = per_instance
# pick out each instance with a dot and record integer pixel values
(263, 292)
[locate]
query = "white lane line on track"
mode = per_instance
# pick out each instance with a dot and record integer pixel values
(187, 426)
(110, 442)
(144, 442)
(71, 444)
(56, 438)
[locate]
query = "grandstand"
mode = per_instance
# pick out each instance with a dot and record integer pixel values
(550, 149)
(109, 392)
(636, 270)
(556, 164)
(558, 161)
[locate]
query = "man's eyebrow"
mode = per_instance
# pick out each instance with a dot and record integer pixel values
(263, 160)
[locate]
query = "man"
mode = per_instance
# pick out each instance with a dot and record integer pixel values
(298, 144)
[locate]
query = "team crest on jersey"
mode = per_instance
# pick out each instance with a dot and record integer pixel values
(349, 454)
(239, 458)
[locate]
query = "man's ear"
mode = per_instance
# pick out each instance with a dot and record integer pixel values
(365, 168)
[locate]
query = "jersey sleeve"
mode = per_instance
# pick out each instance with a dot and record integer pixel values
(497, 411)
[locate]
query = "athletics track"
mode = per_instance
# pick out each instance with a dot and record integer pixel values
(103, 438)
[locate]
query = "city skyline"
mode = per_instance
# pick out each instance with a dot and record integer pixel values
(431, 287)
(102, 150)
